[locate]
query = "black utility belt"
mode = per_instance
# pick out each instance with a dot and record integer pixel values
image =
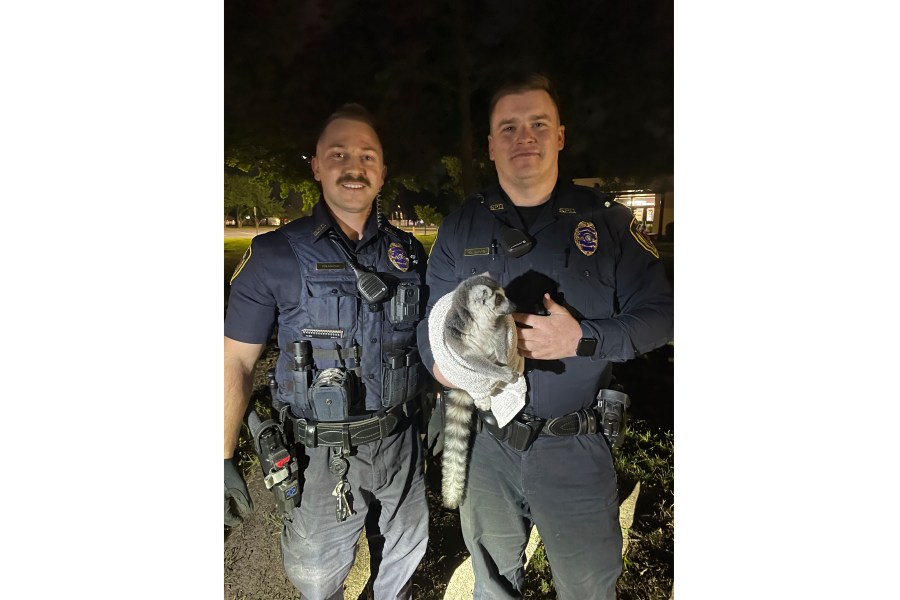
(608, 417)
(521, 432)
(313, 433)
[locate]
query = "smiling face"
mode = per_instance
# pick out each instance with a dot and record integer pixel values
(349, 163)
(525, 139)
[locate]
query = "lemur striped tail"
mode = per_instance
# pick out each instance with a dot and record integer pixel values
(458, 410)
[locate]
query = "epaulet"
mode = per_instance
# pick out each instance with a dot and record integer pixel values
(475, 197)
(296, 228)
(603, 199)
(392, 228)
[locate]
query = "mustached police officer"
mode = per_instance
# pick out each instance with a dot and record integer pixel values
(346, 291)
(591, 291)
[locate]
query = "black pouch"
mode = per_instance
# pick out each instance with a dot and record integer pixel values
(302, 372)
(330, 395)
(301, 388)
(395, 387)
(404, 378)
(613, 406)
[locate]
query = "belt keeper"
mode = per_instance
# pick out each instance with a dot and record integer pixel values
(309, 434)
(587, 421)
(345, 439)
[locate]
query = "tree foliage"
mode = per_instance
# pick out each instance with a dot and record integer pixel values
(243, 194)
(392, 188)
(429, 214)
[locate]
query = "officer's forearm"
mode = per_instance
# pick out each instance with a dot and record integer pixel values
(626, 336)
(240, 362)
(238, 386)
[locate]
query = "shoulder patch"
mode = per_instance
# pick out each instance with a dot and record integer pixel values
(586, 237)
(241, 264)
(642, 238)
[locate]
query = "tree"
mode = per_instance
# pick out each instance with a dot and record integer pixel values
(429, 214)
(243, 195)
(392, 188)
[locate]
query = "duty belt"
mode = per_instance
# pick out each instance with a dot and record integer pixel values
(521, 432)
(313, 433)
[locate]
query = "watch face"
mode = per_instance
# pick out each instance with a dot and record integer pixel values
(586, 347)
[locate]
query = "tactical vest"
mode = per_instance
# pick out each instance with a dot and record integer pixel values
(372, 346)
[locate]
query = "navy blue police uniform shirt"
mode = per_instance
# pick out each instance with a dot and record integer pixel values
(589, 257)
(297, 278)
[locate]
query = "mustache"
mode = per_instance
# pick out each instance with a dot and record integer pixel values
(351, 179)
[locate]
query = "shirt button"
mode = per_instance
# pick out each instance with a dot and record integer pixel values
(371, 375)
(334, 291)
(374, 340)
(587, 273)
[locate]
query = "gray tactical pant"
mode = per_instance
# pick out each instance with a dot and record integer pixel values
(566, 487)
(388, 486)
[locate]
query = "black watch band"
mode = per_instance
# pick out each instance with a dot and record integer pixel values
(586, 346)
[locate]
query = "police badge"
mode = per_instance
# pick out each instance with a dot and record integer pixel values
(586, 237)
(398, 257)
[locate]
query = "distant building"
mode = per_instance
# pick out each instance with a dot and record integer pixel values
(652, 208)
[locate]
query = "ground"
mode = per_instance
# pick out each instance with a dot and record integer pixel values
(253, 568)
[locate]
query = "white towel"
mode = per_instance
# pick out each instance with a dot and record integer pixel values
(507, 399)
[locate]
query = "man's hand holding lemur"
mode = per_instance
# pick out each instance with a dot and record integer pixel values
(547, 337)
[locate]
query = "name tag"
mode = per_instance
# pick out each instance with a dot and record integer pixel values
(330, 266)
(476, 251)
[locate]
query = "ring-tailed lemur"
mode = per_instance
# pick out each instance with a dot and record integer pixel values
(478, 331)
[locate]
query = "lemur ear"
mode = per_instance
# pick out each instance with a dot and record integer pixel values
(480, 292)
(485, 274)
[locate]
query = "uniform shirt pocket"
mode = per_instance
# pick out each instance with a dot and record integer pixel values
(587, 284)
(478, 264)
(332, 305)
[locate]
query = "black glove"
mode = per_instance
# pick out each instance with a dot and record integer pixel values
(238, 504)
(434, 439)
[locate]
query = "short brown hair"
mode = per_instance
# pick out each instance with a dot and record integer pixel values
(353, 112)
(519, 84)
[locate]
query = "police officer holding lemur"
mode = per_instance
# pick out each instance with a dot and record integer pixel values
(346, 291)
(591, 291)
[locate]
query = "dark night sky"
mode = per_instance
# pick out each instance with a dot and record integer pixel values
(288, 64)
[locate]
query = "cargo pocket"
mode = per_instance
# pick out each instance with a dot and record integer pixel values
(332, 306)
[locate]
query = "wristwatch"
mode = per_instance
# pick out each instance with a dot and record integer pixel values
(586, 346)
